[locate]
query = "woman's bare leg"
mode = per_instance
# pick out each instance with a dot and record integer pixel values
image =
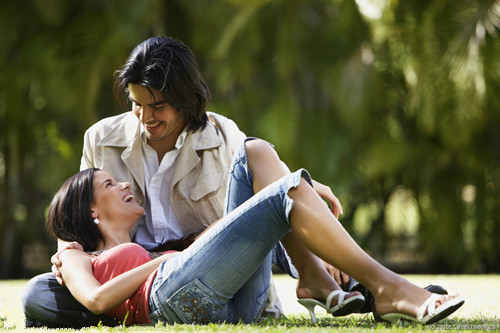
(320, 232)
(314, 281)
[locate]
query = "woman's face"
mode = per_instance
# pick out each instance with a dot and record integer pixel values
(114, 201)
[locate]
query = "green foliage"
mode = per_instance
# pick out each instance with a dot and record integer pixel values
(396, 108)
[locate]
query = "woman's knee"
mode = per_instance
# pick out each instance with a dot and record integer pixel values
(258, 147)
(260, 153)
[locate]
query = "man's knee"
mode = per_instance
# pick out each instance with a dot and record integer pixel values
(46, 303)
(34, 307)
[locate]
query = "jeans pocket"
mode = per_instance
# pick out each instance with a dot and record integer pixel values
(195, 303)
(155, 317)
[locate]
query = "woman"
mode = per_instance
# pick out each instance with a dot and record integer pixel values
(224, 275)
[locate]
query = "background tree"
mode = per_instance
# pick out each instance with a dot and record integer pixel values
(392, 103)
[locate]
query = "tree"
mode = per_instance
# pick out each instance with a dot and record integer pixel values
(393, 104)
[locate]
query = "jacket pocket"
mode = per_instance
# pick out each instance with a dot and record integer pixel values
(207, 184)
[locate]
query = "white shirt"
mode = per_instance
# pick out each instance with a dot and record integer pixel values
(160, 223)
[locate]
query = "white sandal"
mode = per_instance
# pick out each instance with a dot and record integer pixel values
(343, 307)
(427, 313)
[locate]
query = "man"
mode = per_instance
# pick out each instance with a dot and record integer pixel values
(177, 158)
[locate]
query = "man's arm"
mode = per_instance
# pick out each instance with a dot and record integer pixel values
(325, 192)
(56, 263)
(87, 160)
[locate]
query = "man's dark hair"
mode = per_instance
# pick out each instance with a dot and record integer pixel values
(169, 66)
(69, 217)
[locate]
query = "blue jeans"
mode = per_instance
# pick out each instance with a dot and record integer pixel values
(46, 303)
(224, 276)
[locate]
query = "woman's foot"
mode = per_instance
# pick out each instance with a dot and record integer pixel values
(338, 303)
(435, 308)
(409, 302)
(314, 283)
(322, 298)
(323, 291)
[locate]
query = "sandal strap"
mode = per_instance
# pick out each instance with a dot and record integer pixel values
(429, 306)
(330, 297)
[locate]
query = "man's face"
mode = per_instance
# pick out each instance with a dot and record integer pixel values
(162, 122)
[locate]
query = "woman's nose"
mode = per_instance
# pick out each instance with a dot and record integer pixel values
(125, 186)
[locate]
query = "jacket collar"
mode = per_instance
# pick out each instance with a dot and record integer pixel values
(188, 158)
(128, 128)
(122, 134)
(126, 134)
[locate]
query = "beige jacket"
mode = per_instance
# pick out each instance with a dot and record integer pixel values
(201, 170)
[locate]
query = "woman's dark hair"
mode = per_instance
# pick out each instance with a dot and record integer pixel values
(69, 217)
(169, 66)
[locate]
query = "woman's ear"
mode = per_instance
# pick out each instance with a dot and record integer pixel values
(94, 214)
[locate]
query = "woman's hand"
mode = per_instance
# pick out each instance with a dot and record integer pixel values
(56, 263)
(325, 192)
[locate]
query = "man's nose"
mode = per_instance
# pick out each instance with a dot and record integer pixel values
(146, 113)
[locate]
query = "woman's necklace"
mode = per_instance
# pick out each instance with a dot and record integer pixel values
(96, 253)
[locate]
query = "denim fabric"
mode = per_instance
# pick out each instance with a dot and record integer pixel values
(224, 276)
(239, 190)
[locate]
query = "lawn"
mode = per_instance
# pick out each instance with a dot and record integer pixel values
(481, 311)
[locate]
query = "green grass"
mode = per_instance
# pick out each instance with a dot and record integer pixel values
(481, 311)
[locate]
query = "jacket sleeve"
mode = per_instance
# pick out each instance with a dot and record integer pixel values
(89, 147)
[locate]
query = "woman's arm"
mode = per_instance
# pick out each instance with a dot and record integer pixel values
(76, 268)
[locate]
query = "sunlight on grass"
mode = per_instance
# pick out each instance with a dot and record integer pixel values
(480, 312)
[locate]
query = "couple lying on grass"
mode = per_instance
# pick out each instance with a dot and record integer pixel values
(224, 275)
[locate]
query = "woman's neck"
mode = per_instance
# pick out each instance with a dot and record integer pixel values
(110, 239)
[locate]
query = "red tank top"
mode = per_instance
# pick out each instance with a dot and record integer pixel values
(116, 261)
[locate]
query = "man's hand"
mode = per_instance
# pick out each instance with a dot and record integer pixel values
(56, 263)
(325, 192)
(340, 277)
